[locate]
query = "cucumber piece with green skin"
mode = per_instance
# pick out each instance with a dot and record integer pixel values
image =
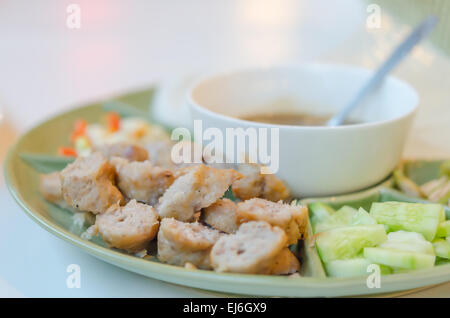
(348, 267)
(408, 242)
(345, 216)
(319, 212)
(408, 247)
(347, 209)
(442, 261)
(348, 242)
(442, 248)
(399, 259)
(411, 217)
(405, 236)
(443, 216)
(352, 267)
(342, 217)
(443, 229)
(362, 217)
(385, 270)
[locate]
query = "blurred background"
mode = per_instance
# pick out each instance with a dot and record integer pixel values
(47, 67)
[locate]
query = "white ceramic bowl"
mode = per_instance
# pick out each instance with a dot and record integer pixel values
(315, 161)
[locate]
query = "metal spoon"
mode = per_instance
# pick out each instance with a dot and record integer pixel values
(420, 32)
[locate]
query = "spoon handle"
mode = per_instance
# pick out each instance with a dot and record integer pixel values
(399, 53)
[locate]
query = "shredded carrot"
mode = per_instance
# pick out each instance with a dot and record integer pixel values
(79, 130)
(113, 120)
(80, 126)
(67, 152)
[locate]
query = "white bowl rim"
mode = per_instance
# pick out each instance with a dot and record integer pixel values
(202, 109)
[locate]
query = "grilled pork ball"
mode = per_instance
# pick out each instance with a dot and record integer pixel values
(252, 249)
(141, 180)
(198, 187)
(221, 215)
(180, 243)
(254, 184)
(285, 263)
(293, 219)
(130, 227)
(88, 184)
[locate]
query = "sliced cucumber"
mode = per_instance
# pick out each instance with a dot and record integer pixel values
(319, 212)
(443, 229)
(385, 270)
(443, 215)
(442, 261)
(412, 217)
(347, 210)
(348, 242)
(409, 247)
(348, 267)
(340, 218)
(362, 217)
(409, 242)
(404, 236)
(399, 259)
(442, 248)
(352, 267)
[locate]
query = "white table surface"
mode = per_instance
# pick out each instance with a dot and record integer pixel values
(47, 68)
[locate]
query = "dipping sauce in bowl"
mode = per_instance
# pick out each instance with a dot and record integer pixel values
(293, 119)
(294, 102)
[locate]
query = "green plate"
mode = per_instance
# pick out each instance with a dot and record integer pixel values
(23, 183)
